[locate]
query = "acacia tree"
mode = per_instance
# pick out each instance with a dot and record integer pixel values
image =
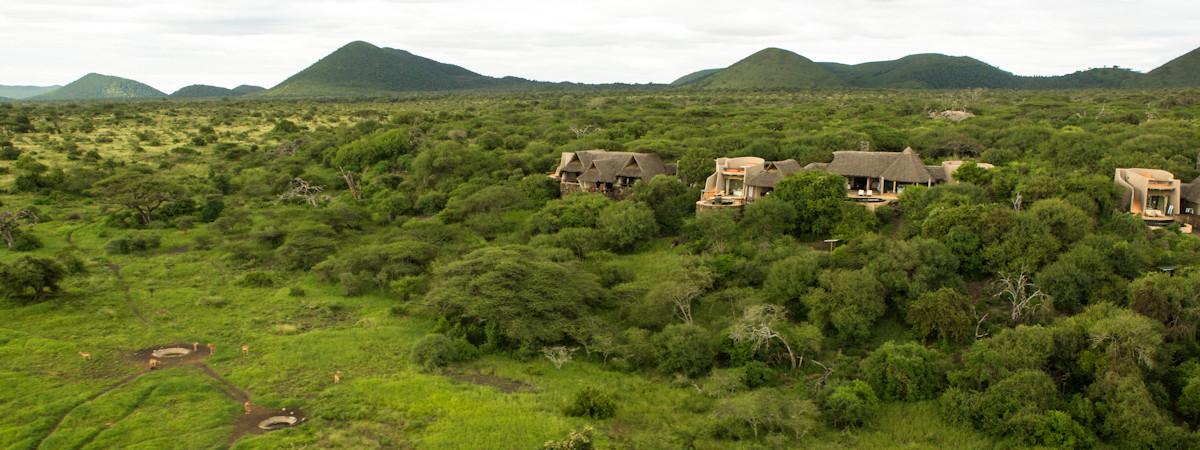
(12, 221)
(681, 288)
(144, 193)
(31, 279)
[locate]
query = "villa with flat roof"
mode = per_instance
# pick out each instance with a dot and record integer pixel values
(1157, 197)
(610, 173)
(738, 181)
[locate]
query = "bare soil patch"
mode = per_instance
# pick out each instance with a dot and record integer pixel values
(191, 358)
(262, 419)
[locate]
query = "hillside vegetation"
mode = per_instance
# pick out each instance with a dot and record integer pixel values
(404, 274)
(1181, 71)
(22, 92)
(779, 69)
(360, 68)
(202, 91)
(770, 68)
(94, 86)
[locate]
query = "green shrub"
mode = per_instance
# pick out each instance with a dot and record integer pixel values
(591, 402)
(132, 244)
(257, 279)
(685, 349)
(906, 371)
(24, 241)
(758, 374)
(437, 350)
(850, 404)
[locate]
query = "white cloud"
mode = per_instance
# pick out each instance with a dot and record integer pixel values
(172, 43)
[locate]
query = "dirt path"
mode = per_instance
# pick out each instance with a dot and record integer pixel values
(59, 420)
(246, 424)
(230, 389)
(137, 312)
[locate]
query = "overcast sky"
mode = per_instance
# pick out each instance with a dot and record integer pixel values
(172, 43)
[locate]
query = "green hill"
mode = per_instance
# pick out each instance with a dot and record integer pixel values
(694, 77)
(1099, 78)
(360, 68)
(247, 89)
(1181, 71)
(20, 92)
(924, 71)
(94, 86)
(202, 91)
(770, 68)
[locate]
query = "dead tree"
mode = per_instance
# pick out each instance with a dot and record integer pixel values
(584, 130)
(759, 325)
(12, 221)
(302, 189)
(351, 180)
(1023, 297)
(558, 355)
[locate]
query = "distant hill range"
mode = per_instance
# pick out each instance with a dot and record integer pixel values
(207, 91)
(20, 92)
(781, 69)
(360, 69)
(94, 86)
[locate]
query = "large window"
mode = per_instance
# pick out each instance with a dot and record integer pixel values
(734, 187)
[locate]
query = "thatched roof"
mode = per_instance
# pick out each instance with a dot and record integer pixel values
(1191, 191)
(770, 172)
(903, 166)
(600, 166)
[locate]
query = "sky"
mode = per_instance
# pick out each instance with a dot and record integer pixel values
(169, 44)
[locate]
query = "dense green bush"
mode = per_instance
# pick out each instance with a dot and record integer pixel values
(851, 404)
(906, 371)
(132, 244)
(684, 349)
(437, 350)
(591, 402)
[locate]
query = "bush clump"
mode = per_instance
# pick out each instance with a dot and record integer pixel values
(438, 350)
(850, 404)
(131, 244)
(591, 402)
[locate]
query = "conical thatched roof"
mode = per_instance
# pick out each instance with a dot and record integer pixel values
(905, 166)
(770, 172)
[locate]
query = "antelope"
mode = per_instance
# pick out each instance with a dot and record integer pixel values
(337, 377)
(153, 364)
(195, 346)
(246, 406)
(245, 349)
(212, 348)
(87, 356)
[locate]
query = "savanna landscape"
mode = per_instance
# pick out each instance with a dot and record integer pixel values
(629, 225)
(417, 249)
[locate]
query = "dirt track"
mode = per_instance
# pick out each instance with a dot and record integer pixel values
(246, 424)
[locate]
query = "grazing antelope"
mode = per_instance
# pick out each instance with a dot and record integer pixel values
(245, 349)
(87, 356)
(212, 348)
(153, 364)
(337, 377)
(195, 346)
(246, 406)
